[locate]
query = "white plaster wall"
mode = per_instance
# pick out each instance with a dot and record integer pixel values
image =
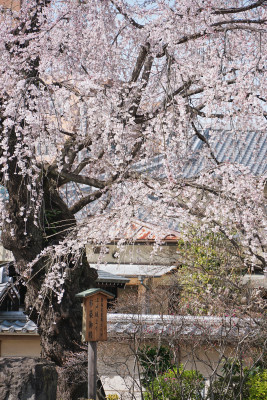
(136, 253)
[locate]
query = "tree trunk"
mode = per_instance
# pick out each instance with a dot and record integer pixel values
(59, 324)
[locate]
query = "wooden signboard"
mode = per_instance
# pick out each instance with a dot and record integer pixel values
(94, 328)
(95, 318)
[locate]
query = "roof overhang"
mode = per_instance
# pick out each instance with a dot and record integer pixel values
(16, 323)
(135, 270)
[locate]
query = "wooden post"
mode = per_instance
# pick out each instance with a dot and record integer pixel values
(94, 329)
(92, 370)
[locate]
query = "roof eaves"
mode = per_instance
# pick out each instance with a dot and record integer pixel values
(16, 323)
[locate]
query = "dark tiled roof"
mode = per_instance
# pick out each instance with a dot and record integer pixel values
(16, 322)
(248, 149)
(150, 325)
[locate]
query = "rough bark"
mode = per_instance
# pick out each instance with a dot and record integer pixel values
(59, 325)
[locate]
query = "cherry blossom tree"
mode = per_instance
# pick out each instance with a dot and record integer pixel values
(100, 107)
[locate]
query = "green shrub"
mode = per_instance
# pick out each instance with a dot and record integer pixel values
(258, 386)
(112, 397)
(176, 385)
(231, 384)
(154, 361)
(236, 383)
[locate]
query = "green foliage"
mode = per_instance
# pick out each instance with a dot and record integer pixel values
(257, 385)
(112, 397)
(210, 270)
(176, 385)
(154, 360)
(237, 382)
(231, 384)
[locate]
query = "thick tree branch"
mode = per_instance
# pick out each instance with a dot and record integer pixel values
(67, 133)
(140, 119)
(205, 33)
(201, 89)
(234, 10)
(85, 162)
(136, 148)
(240, 21)
(126, 16)
(84, 201)
(201, 137)
(67, 157)
(69, 153)
(71, 177)
(197, 110)
(145, 78)
(82, 165)
(139, 62)
(184, 91)
(216, 192)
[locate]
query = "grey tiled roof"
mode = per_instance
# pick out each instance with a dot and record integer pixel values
(135, 269)
(104, 276)
(248, 149)
(125, 325)
(149, 326)
(16, 322)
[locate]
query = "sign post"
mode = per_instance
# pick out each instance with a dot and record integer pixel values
(92, 370)
(94, 329)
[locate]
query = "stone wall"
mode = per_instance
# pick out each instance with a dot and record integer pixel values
(23, 378)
